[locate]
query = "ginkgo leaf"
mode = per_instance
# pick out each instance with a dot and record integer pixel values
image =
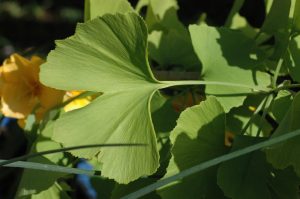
(197, 137)
(287, 153)
(228, 56)
(250, 176)
(95, 8)
(108, 55)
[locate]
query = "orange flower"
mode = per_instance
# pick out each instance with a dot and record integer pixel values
(21, 90)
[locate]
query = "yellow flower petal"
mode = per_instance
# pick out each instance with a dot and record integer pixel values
(17, 100)
(21, 90)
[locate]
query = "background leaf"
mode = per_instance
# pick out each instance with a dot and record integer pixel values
(228, 56)
(250, 176)
(95, 8)
(286, 154)
(35, 181)
(198, 136)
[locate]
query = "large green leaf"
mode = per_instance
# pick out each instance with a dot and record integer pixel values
(250, 176)
(108, 55)
(287, 153)
(198, 136)
(95, 8)
(228, 56)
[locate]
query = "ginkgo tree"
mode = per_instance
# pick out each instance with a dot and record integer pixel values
(113, 54)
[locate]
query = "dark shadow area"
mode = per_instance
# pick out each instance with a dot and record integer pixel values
(12, 144)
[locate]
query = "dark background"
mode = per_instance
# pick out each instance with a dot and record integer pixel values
(31, 26)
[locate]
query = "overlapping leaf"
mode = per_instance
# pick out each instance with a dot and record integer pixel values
(293, 59)
(94, 8)
(169, 41)
(287, 153)
(198, 136)
(43, 179)
(250, 176)
(228, 56)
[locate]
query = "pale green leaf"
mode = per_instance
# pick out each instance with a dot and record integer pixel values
(95, 8)
(287, 153)
(108, 55)
(140, 4)
(198, 136)
(227, 56)
(162, 14)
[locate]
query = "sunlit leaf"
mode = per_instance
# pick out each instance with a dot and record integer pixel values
(108, 55)
(229, 56)
(95, 8)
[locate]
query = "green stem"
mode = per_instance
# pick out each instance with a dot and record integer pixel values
(49, 168)
(259, 108)
(269, 100)
(25, 157)
(235, 8)
(199, 82)
(278, 68)
(285, 87)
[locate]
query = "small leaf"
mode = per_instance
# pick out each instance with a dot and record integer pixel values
(95, 8)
